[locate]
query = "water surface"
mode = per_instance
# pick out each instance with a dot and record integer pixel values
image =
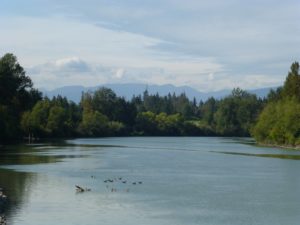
(184, 180)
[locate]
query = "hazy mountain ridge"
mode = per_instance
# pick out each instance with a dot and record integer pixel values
(130, 89)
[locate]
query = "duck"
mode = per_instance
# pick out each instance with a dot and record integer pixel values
(80, 189)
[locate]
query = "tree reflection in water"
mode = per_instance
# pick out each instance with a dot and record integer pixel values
(17, 185)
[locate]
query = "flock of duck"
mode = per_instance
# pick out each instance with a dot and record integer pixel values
(115, 180)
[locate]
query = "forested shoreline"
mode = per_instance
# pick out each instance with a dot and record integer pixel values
(279, 122)
(24, 112)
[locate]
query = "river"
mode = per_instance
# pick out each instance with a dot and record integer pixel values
(150, 180)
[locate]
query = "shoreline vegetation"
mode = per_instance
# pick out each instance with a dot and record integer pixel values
(279, 122)
(26, 114)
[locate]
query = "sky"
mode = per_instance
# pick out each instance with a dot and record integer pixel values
(209, 45)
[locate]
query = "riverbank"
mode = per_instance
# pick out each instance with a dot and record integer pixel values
(287, 147)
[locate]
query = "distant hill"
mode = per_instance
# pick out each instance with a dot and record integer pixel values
(128, 90)
(261, 92)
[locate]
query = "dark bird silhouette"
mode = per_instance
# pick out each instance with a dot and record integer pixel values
(80, 189)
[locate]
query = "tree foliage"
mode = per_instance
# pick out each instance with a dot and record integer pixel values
(279, 122)
(17, 96)
(291, 87)
(237, 113)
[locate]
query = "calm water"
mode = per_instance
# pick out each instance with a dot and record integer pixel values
(184, 181)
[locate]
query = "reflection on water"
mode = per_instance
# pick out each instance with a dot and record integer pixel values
(279, 156)
(16, 186)
(150, 181)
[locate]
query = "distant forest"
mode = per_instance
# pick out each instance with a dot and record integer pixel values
(24, 112)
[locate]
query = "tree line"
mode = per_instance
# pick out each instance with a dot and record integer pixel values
(24, 112)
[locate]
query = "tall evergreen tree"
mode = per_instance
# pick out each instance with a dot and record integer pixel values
(16, 96)
(291, 87)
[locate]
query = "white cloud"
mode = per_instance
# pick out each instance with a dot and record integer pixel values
(120, 73)
(211, 76)
(65, 66)
(72, 64)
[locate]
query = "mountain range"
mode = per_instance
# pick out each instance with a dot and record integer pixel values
(128, 90)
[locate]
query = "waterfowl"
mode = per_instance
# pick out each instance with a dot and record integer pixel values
(108, 180)
(80, 189)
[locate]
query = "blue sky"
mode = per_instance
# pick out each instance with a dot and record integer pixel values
(209, 45)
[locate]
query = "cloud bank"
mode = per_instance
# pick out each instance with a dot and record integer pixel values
(76, 71)
(210, 45)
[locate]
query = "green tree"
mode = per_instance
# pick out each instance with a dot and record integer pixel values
(208, 110)
(17, 96)
(145, 123)
(93, 124)
(274, 95)
(291, 85)
(38, 119)
(9, 126)
(104, 101)
(58, 122)
(237, 113)
(279, 122)
(13, 80)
